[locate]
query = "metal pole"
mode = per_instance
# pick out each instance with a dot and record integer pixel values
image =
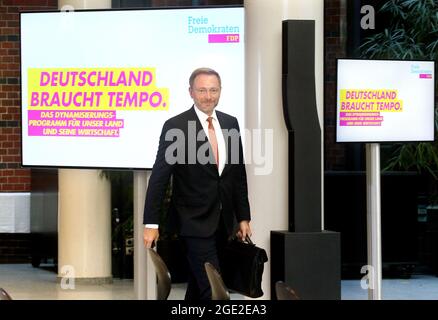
(144, 273)
(373, 221)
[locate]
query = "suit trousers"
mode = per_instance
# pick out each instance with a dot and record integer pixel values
(200, 250)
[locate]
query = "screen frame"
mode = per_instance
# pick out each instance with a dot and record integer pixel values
(382, 141)
(199, 7)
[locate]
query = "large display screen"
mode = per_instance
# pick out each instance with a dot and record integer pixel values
(97, 86)
(385, 100)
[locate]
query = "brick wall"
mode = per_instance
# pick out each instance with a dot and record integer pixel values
(335, 15)
(12, 177)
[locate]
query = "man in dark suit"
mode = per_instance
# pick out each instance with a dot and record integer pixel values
(202, 150)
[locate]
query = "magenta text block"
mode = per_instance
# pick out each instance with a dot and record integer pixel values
(223, 38)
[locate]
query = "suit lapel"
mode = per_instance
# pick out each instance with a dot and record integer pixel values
(225, 126)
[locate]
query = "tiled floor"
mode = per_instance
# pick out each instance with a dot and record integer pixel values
(23, 282)
(418, 287)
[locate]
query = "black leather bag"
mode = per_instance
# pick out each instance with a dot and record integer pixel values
(242, 267)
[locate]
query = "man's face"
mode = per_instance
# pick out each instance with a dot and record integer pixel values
(205, 92)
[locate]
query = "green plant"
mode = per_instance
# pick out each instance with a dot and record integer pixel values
(412, 34)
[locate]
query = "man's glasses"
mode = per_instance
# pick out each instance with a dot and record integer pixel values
(212, 91)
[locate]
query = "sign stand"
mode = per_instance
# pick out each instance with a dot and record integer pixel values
(373, 221)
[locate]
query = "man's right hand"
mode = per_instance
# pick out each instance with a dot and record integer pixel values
(150, 235)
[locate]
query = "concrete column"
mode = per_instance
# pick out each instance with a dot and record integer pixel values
(264, 110)
(85, 4)
(84, 206)
(84, 226)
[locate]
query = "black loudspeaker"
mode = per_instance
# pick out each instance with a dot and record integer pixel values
(305, 258)
(300, 113)
(308, 262)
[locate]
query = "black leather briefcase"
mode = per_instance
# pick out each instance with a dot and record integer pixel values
(242, 267)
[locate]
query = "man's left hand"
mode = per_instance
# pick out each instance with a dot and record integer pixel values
(244, 230)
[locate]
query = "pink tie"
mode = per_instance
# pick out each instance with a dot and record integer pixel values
(213, 140)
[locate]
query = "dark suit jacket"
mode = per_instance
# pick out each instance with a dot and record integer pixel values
(199, 195)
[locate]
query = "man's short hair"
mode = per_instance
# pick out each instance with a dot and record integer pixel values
(200, 71)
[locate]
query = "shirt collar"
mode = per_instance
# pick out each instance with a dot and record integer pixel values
(202, 116)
